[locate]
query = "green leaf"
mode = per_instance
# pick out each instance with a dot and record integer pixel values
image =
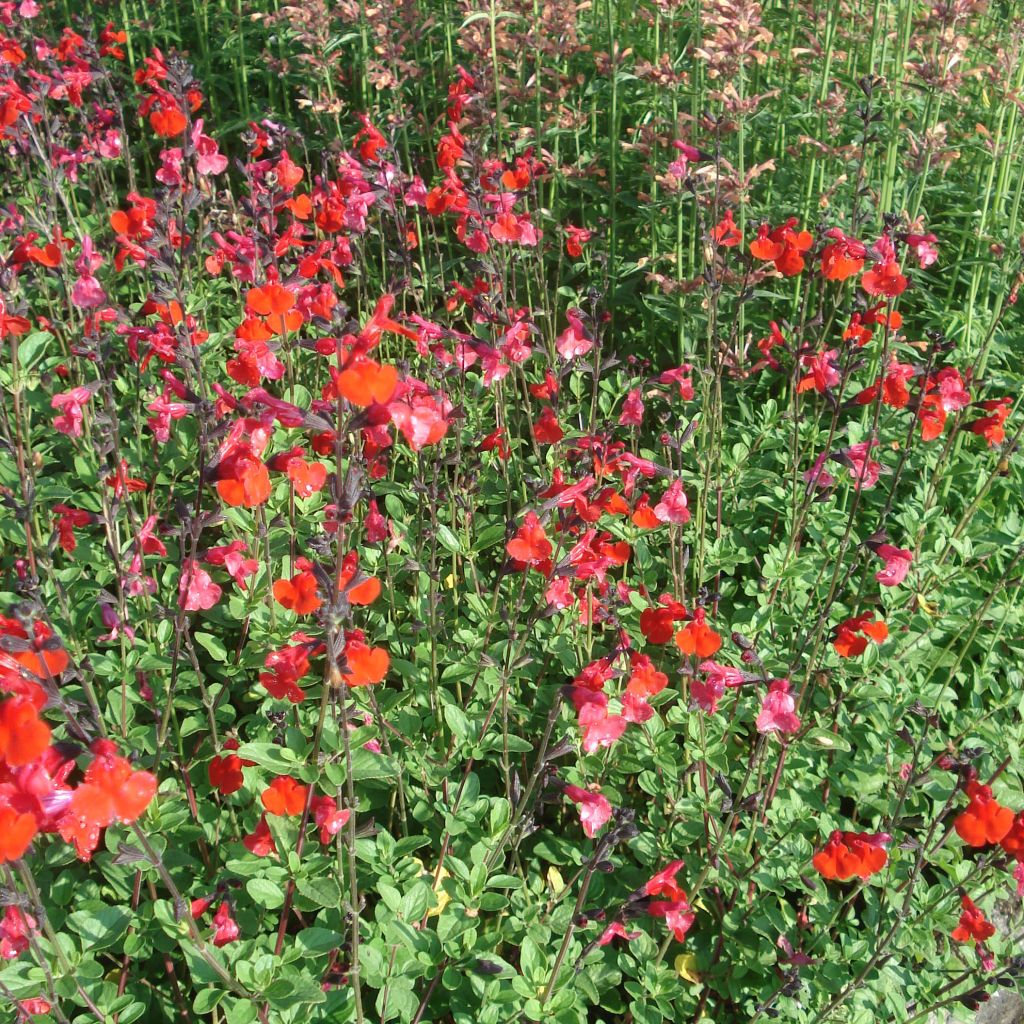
(322, 891)
(100, 927)
(264, 892)
(316, 941)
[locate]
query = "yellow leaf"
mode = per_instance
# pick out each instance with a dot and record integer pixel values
(686, 968)
(555, 881)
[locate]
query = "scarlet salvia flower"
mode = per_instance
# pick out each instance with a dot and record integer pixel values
(328, 817)
(778, 709)
(897, 564)
(225, 927)
(285, 796)
(850, 854)
(973, 926)
(885, 277)
(697, 638)
(852, 636)
(575, 239)
(595, 810)
(644, 679)
(364, 665)
(725, 232)
(261, 841)
(842, 257)
(15, 928)
(991, 427)
(111, 791)
(299, 592)
(985, 820)
(530, 545)
(784, 246)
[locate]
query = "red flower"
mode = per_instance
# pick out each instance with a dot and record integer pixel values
(783, 246)
(365, 665)
(698, 638)
(645, 680)
(299, 594)
(364, 382)
(111, 791)
(852, 635)
(225, 771)
(261, 841)
(357, 587)
(1013, 841)
(23, 735)
(991, 427)
(285, 796)
(530, 544)
(852, 853)
(884, 278)
(841, 258)
(972, 926)
(16, 832)
(985, 820)
(547, 429)
(725, 232)
(276, 303)
(227, 929)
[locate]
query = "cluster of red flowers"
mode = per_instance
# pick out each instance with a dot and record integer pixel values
(42, 787)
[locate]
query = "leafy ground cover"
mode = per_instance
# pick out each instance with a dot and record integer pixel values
(510, 514)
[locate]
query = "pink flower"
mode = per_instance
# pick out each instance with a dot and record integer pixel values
(70, 403)
(196, 590)
(421, 418)
(632, 410)
(595, 810)
(227, 929)
(677, 914)
(87, 292)
(232, 557)
(672, 507)
(599, 728)
(208, 159)
(864, 469)
(635, 709)
(897, 565)
(924, 248)
(778, 709)
(616, 930)
(573, 341)
(330, 819)
(260, 842)
(169, 172)
(1018, 875)
(15, 927)
(816, 476)
(708, 692)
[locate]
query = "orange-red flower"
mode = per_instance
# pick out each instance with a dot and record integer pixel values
(23, 735)
(697, 637)
(851, 853)
(299, 594)
(530, 545)
(985, 820)
(285, 796)
(17, 830)
(365, 665)
(973, 927)
(364, 382)
(277, 304)
(852, 635)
